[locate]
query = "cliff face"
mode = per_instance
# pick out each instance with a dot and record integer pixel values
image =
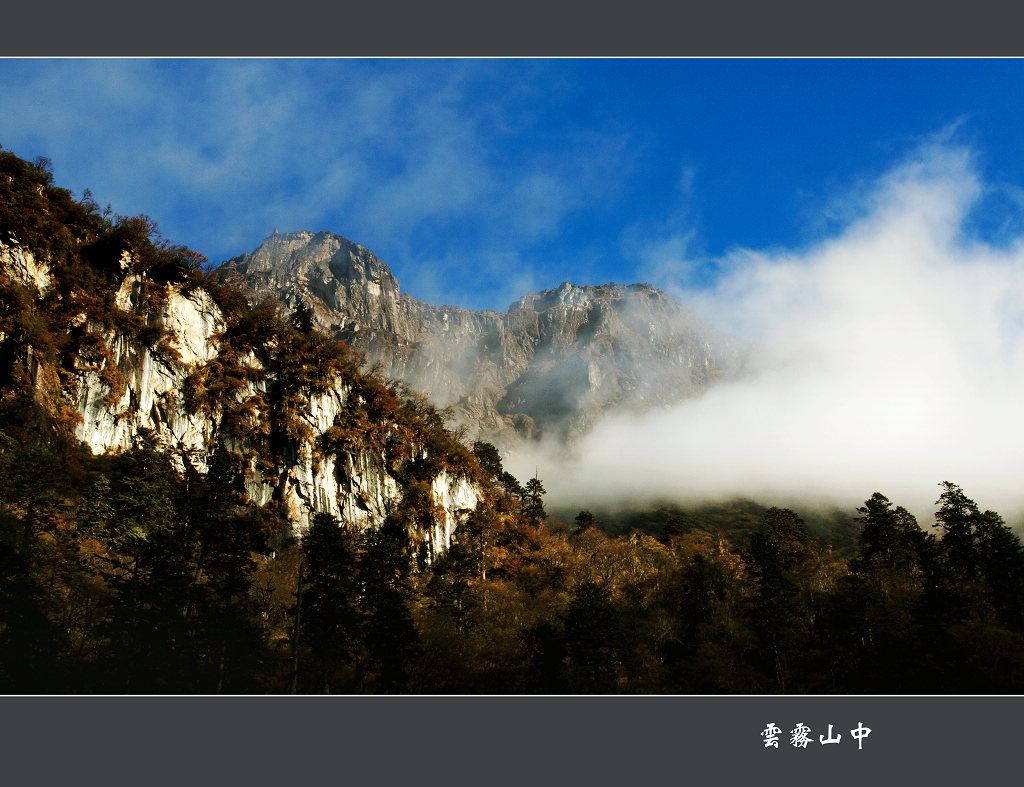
(20, 265)
(158, 375)
(552, 364)
(152, 381)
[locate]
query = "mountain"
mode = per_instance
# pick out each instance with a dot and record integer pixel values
(162, 437)
(109, 335)
(550, 365)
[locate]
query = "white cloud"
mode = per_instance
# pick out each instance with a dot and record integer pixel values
(889, 358)
(228, 149)
(664, 250)
(668, 259)
(540, 202)
(421, 161)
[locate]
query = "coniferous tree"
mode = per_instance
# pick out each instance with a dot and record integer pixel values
(777, 551)
(889, 537)
(184, 555)
(1001, 561)
(330, 612)
(546, 645)
(228, 536)
(146, 636)
(97, 517)
(584, 519)
(594, 639)
(489, 458)
(389, 633)
(533, 501)
(876, 631)
(957, 517)
(511, 484)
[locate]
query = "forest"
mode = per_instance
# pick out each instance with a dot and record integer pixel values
(120, 575)
(135, 572)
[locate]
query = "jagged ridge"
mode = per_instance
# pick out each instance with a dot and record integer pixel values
(553, 363)
(113, 332)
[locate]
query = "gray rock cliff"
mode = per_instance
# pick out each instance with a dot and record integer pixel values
(551, 364)
(356, 485)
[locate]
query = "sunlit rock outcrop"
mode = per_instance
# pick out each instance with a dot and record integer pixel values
(552, 364)
(154, 379)
(20, 264)
(133, 380)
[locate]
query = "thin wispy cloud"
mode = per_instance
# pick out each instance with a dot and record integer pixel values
(582, 170)
(411, 159)
(885, 321)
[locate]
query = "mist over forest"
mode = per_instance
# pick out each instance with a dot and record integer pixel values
(887, 356)
(204, 492)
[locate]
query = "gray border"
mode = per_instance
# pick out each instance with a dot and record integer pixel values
(513, 740)
(604, 740)
(470, 28)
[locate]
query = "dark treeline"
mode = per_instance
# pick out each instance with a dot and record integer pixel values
(147, 571)
(121, 574)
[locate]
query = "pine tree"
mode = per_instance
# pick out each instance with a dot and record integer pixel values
(228, 536)
(389, 633)
(330, 619)
(777, 551)
(1001, 563)
(489, 458)
(889, 537)
(511, 484)
(876, 625)
(533, 502)
(594, 637)
(957, 517)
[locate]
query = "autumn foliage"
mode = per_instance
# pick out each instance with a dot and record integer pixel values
(133, 573)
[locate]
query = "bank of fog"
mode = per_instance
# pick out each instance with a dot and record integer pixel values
(887, 358)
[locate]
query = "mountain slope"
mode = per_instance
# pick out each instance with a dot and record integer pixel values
(108, 333)
(550, 365)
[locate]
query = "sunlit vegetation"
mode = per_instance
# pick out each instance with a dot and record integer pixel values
(121, 574)
(133, 573)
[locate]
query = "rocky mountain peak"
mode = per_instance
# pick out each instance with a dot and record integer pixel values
(552, 364)
(322, 261)
(348, 287)
(574, 296)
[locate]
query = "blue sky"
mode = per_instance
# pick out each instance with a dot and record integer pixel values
(479, 180)
(860, 221)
